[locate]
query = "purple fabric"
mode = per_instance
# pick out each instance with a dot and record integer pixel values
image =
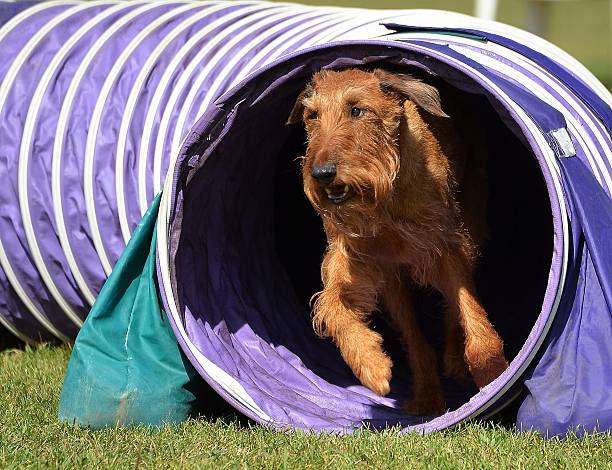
(587, 96)
(12, 118)
(222, 67)
(9, 10)
(10, 305)
(546, 116)
(104, 170)
(550, 119)
(569, 387)
(40, 157)
(73, 205)
(18, 315)
(150, 88)
(572, 108)
(39, 189)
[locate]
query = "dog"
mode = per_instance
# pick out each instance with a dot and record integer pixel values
(382, 167)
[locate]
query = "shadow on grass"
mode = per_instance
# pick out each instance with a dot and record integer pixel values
(211, 407)
(9, 341)
(506, 418)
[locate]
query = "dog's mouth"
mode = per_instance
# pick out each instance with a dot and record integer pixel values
(338, 193)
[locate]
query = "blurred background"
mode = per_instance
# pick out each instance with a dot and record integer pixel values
(580, 27)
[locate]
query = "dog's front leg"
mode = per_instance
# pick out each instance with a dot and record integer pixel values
(455, 366)
(484, 353)
(342, 310)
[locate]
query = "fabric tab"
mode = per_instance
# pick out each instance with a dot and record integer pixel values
(565, 146)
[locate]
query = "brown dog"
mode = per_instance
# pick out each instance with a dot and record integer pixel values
(381, 168)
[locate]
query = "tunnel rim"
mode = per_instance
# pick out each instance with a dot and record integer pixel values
(479, 404)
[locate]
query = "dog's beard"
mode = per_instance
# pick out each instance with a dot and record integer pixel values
(360, 215)
(370, 174)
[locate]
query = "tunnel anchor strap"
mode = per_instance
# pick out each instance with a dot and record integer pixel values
(126, 367)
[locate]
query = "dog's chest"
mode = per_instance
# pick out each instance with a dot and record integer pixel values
(394, 248)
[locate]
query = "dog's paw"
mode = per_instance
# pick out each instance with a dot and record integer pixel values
(364, 354)
(375, 372)
(425, 406)
(488, 372)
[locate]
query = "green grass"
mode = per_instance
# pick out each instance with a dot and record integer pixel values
(30, 436)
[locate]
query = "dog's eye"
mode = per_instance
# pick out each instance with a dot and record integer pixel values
(356, 112)
(312, 115)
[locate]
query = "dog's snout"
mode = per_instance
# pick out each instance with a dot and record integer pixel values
(324, 174)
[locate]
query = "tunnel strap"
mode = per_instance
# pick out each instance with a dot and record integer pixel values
(126, 367)
(401, 28)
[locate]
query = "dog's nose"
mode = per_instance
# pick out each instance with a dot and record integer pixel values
(324, 174)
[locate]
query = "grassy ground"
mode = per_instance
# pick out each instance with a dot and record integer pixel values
(30, 436)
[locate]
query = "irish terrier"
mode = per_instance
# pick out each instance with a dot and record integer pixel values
(381, 168)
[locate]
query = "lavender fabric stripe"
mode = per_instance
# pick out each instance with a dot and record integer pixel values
(104, 152)
(86, 263)
(588, 125)
(288, 34)
(72, 169)
(175, 95)
(72, 209)
(579, 88)
(287, 41)
(71, 165)
(244, 50)
(600, 108)
(547, 117)
(202, 88)
(14, 41)
(11, 119)
(18, 316)
(8, 10)
(11, 307)
(143, 107)
(39, 186)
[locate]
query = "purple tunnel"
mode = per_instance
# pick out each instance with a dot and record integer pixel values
(102, 105)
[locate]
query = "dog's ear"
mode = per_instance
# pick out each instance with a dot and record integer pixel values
(423, 95)
(297, 113)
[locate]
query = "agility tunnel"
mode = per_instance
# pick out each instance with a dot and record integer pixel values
(162, 124)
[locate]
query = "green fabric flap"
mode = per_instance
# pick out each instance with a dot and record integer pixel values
(126, 366)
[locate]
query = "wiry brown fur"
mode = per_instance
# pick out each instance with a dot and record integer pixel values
(401, 159)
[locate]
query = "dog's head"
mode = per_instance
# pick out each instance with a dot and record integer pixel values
(352, 120)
